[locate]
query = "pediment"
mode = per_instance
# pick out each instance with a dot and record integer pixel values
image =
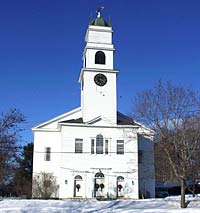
(53, 123)
(122, 120)
(98, 121)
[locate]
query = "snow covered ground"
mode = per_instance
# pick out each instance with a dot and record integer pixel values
(167, 205)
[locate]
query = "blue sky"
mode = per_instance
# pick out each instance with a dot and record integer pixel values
(41, 45)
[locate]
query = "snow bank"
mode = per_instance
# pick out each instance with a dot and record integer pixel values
(167, 205)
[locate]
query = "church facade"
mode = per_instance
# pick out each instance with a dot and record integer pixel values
(94, 150)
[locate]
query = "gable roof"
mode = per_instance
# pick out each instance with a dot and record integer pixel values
(121, 120)
(74, 117)
(75, 121)
(59, 118)
(124, 119)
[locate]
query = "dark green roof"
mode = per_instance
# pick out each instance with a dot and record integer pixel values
(99, 21)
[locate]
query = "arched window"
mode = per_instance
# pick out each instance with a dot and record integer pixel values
(99, 175)
(120, 181)
(78, 177)
(100, 58)
(120, 178)
(99, 144)
(77, 185)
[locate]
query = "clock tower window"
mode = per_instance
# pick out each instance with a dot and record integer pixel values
(100, 58)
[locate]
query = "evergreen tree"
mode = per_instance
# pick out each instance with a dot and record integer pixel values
(23, 175)
(10, 127)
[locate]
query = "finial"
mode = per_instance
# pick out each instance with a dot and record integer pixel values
(99, 12)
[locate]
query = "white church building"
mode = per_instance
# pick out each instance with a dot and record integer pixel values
(94, 150)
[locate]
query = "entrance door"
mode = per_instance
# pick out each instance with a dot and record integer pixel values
(78, 186)
(99, 185)
(120, 186)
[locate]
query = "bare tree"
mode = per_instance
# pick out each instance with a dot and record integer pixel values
(9, 136)
(163, 171)
(195, 172)
(44, 186)
(173, 113)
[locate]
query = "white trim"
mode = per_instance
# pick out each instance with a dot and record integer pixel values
(100, 28)
(56, 118)
(100, 126)
(150, 131)
(96, 70)
(46, 130)
(98, 48)
(94, 120)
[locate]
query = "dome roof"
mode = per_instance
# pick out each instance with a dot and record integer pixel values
(99, 22)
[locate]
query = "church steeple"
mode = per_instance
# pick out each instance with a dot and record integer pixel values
(98, 38)
(99, 21)
(97, 77)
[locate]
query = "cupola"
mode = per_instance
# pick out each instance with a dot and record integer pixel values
(99, 21)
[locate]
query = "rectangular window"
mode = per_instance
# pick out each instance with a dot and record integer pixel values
(120, 147)
(78, 145)
(92, 146)
(47, 154)
(106, 147)
(140, 156)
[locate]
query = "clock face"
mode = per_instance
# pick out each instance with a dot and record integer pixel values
(100, 79)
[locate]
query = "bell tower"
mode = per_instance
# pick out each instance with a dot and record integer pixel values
(97, 77)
